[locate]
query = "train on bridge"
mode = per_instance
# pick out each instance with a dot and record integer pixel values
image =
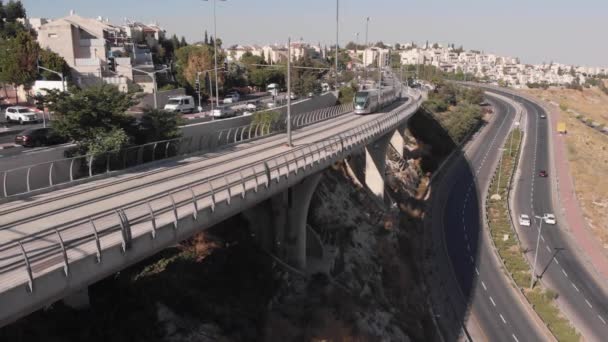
(370, 101)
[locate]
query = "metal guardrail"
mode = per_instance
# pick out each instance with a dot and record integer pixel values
(58, 246)
(48, 175)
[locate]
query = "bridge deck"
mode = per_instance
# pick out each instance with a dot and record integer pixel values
(69, 210)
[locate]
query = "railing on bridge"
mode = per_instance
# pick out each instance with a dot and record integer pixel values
(56, 247)
(48, 175)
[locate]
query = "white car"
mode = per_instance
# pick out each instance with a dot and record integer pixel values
(251, 106)
(524, 220)
(232, 98)
(21, 115)
(550, 219)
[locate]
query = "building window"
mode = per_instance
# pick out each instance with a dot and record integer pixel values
(52, 35)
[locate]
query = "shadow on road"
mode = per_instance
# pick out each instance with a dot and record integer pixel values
(453, 224)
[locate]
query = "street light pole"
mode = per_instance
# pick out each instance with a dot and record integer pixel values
(217, 94)
(153, 76)
(289, 92)
(337, 31)
(536, 251)
(366, 46)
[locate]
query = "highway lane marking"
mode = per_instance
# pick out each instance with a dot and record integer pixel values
(548, 248)
(589, 304)
(471, 257)
(564, 272)
(484, 286)
(468, 247)
(466, 236)
(476, 271)
(502, 318)
(542, 238)
(492, 300)
(515, 337)
(557, 262)
(576, 288)
(601, 319)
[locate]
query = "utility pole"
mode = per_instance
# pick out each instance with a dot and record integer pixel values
(60, 74)
(289, 92)
(198, 90)
(540, 229)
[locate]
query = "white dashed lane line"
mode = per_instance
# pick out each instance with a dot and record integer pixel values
(484, 286)
(588, 304)
(515, 337)
(548, 248)
(576, 288)
(601, 319)
(492, 300)
(476, 271)
(564, 272)
(503, 319)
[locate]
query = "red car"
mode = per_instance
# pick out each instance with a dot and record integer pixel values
(542, 173)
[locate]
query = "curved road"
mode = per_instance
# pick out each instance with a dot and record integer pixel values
(559, 265)
(498, 314)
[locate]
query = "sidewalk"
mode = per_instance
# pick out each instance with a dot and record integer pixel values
(569, 202)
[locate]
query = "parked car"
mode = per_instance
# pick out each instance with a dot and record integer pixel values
(543, 116)
(180, 104)
(21, 115)
(293, 96)
(524, 220)
(251, 106)
(550, 219)
(542, 173)
(38, 137)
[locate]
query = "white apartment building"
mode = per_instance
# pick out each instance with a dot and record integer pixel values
(372, 56)
(88, 45)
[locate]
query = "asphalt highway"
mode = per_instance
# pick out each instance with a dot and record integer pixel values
(495, 306)
(559, 263)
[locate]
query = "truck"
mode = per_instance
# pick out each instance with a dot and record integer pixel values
(180, 104)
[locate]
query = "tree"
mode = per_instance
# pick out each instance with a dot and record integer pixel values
(93, 117)
(211, 41)
(192, 59)
(206, 41)
(19, 66)
(158, 125)
(183, 42)
(53, 61)
(175, 42)
(380, 45)
(397, 46)
(14, 10)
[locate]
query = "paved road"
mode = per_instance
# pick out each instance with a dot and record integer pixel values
(479, 274)
(559, 264)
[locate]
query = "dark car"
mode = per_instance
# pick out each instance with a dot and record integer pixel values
(542, 173)
(38, 137)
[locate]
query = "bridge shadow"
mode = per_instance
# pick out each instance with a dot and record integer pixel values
(452, 223)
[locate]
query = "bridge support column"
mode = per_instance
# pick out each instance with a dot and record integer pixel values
(78, 300)
(398, 140)
(279, 223)
(298, 202)
(375, 165)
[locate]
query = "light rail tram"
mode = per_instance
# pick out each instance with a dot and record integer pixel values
(368, 101)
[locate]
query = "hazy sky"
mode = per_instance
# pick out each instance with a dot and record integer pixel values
(567, 31)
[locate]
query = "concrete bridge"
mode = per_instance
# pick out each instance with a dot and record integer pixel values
(54, 244)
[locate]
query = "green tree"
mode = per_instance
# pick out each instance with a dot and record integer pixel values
(206, 41)
(192, 59)
(53, 61)
(14, 10)
(157, 125)
(18, 67)
(94, 117)
(183, 42)
(347, 94)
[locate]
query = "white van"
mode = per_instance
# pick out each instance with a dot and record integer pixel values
(180, 104)
(272, 89)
